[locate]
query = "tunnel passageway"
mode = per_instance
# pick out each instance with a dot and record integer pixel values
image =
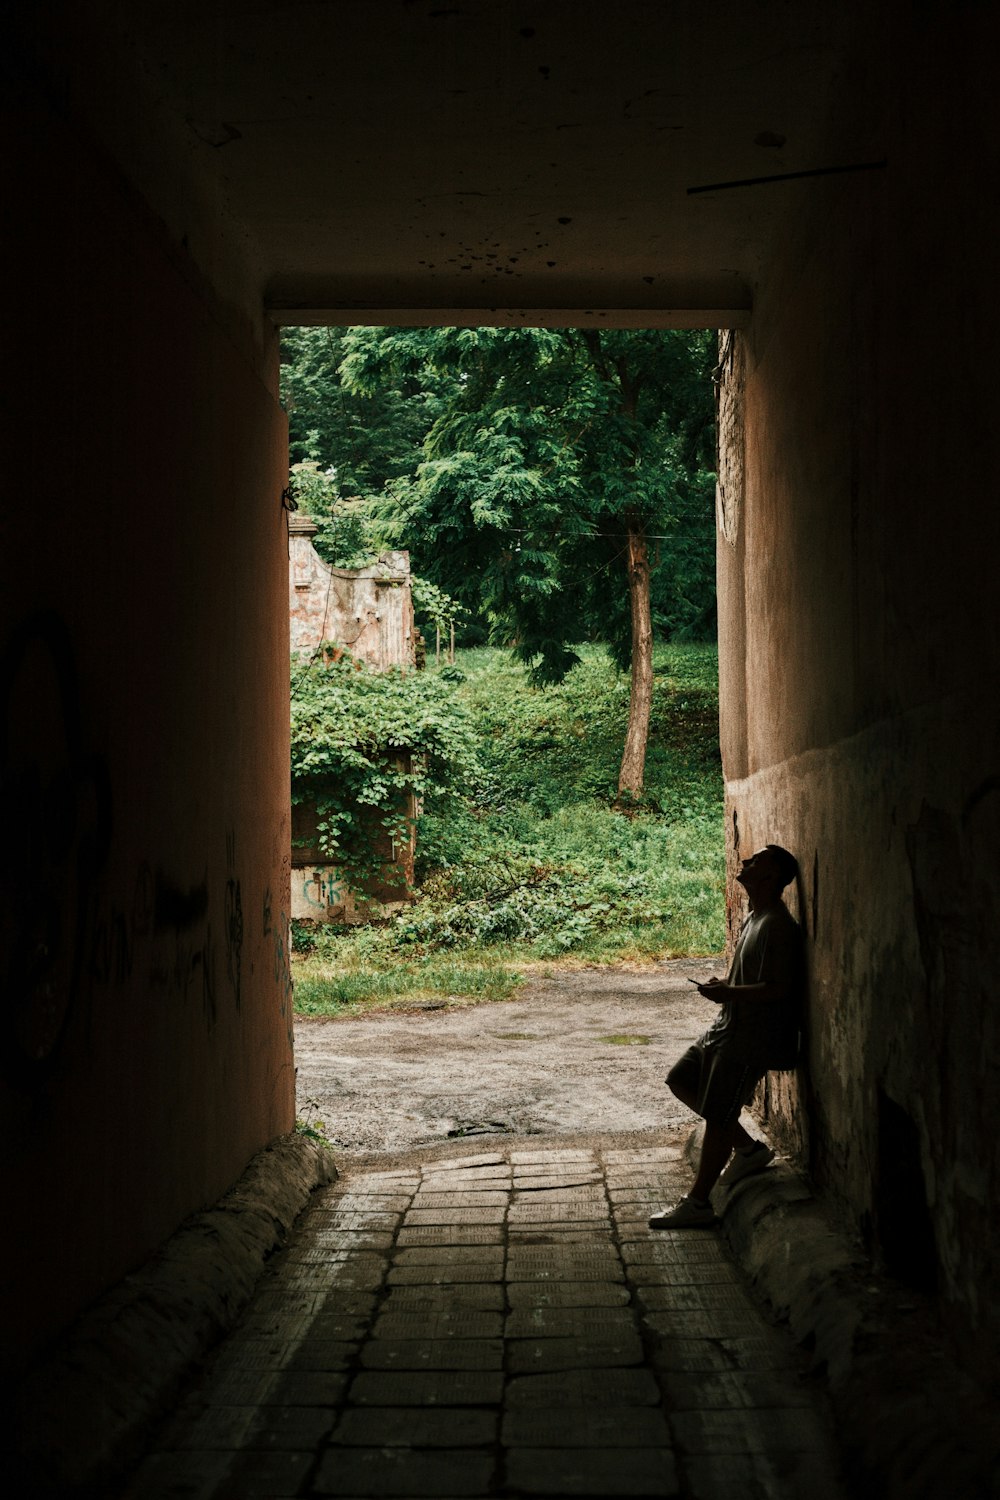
(186, 183)
(501, 1322)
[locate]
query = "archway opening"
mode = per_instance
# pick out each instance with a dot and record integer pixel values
(547, 498)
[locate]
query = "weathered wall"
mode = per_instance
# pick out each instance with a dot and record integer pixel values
(857, 604)
(143, 691)
(321, 893)
(369, 610)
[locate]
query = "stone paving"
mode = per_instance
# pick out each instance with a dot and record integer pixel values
(500, 1323)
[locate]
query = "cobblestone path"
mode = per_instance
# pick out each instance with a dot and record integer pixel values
(500, 1324)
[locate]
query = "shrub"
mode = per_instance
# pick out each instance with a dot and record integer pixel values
(364, 742)
(523, 854)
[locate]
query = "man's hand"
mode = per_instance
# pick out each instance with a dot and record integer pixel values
(717, 990)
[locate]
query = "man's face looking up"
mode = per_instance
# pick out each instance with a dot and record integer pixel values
(758, 874)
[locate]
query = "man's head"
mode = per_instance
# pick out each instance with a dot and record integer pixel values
(765, 874)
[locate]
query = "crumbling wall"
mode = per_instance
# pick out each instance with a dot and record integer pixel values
(368, 610)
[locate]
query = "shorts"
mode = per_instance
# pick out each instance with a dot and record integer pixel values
(720, 1079)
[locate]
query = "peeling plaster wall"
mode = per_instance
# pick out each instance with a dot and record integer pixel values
(146, 1043)
(369, 610)
(857, 603)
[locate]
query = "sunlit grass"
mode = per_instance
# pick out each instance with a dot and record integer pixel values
(323, 988)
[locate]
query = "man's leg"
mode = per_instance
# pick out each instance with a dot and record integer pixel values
(716, 1149)
(695, 1210)
(719, 1141)
(688, 1081)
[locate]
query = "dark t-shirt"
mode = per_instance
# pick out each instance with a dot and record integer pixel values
(769, 951)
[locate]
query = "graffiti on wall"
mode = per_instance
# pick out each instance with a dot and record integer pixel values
(118, 933)
(279, 934)
(167, 930)
(168, 940)
(319, 889)
(182, 957)
(55, 798)
(64, 934)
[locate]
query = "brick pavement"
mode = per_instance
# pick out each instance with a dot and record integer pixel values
(500, 1323)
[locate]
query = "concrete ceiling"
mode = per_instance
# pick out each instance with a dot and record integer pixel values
(486, 160)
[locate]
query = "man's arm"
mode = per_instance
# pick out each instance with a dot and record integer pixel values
(771, 954)
(721, 990)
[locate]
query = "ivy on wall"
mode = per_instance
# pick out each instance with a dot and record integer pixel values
(365, 743)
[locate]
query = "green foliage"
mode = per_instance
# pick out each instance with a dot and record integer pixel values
(549, 447)
(532, 862)
(510, 463)
(363, 442)
(551, 749)
(348, 535)
(363, 742)
(584, 877)
(432, 604)
(311, 1125)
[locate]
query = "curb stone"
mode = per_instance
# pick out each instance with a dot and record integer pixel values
(82, 1414)
(912, 1424)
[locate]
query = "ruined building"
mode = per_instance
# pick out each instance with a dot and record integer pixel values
(367, 612)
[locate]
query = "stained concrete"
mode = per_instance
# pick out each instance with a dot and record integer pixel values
(144, 957)
(409, 1342)
(858, 674)
(496, 1317)
(912, 1424)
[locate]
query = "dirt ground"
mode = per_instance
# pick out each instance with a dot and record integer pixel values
(578, 1052)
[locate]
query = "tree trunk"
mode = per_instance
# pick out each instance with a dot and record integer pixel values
(633, 767)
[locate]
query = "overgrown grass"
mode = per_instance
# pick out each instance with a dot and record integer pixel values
(534, 865)
(325, 987)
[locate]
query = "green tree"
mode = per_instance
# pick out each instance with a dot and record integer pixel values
(555, 458)
(348, 536)
(345, 447)
(360, 443)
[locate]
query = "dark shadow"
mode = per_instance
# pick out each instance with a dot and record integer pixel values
(902, 1215)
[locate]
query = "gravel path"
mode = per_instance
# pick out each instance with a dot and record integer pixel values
(580, 1052)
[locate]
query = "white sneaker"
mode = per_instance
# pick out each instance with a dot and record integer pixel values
(746, 1163)
(687, 1215)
